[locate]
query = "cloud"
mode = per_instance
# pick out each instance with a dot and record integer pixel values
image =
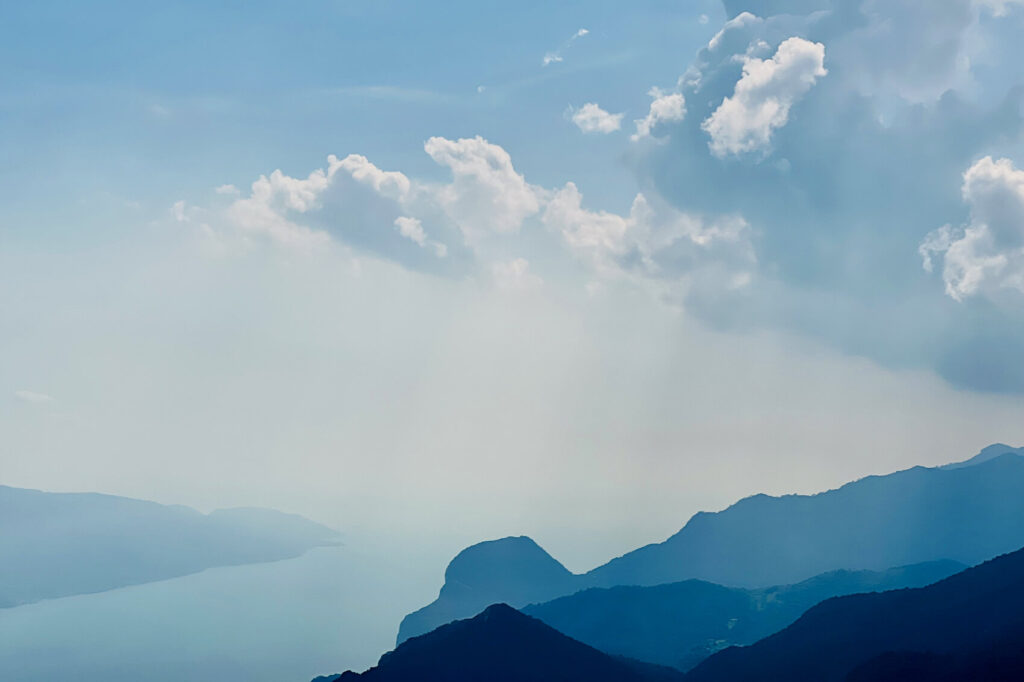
(987, 255)
(763, 97)
(666, 107)
(869, 162)
(555, 56)
(412, 228)
(590, 118)
(655, 244)
(33, 397)
(515, 275)
(386, 213)
(486, 195)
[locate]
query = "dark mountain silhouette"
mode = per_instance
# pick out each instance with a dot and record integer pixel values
(681, 624)
(967, 514)
(968, 626)
(502, 645)
(60, 544)
(517, 569)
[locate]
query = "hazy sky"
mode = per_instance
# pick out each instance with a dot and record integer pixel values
(574, 270)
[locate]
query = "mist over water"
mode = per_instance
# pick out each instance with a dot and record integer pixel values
(331, 609)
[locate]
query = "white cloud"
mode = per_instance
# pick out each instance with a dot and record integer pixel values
(987, 255)
(591, 118)
(266, 210)
(737, 23)
(655, 243)
(486, 194)
(226, 189)
(763, 97)
(33, 397)
(411, 228)
(357, 202)
(515, 275)
(361, 204)
(391, 184)
(555, 56)
(666, 107)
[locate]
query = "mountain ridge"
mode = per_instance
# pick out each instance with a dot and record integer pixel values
(113, 541)
(500, 644)
(967, 621)
(967, 514)
(680, 624)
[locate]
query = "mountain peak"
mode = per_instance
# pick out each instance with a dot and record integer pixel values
(517, 557)
(987, 454)
(512, 570)
(500, 644)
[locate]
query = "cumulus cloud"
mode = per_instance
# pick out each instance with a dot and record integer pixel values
(486, 194)
(361, 205)
(412, 229)
(667, 107)
(866, 162)
(654, 244)
(591, 118)
(763, 97)
(986, 255)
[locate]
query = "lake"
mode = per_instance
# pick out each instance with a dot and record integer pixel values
(331, 609)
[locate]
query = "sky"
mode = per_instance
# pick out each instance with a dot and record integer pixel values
(575, 270)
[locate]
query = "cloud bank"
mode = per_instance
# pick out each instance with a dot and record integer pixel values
(810, 159)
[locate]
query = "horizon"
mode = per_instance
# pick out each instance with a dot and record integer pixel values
(437, 275)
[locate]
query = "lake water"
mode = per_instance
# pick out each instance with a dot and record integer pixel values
(331, 609)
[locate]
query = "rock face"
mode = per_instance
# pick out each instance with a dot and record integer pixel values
(61, 544)
(513, 570)
(968, 513)
(681, 624)
(967, 627)
(502, 645)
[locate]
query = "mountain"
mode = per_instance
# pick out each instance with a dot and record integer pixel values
(61, 544)
(502, 645)
(968, 626)
(681, 624)
(991, 452)
(967, 514)
(516, 568)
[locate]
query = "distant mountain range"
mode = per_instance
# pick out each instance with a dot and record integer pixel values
(681, 624)
(502, 645)
(62, 544)
(968, 512)
(967, 627)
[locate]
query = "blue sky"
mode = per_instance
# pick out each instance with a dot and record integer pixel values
(359, 260)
